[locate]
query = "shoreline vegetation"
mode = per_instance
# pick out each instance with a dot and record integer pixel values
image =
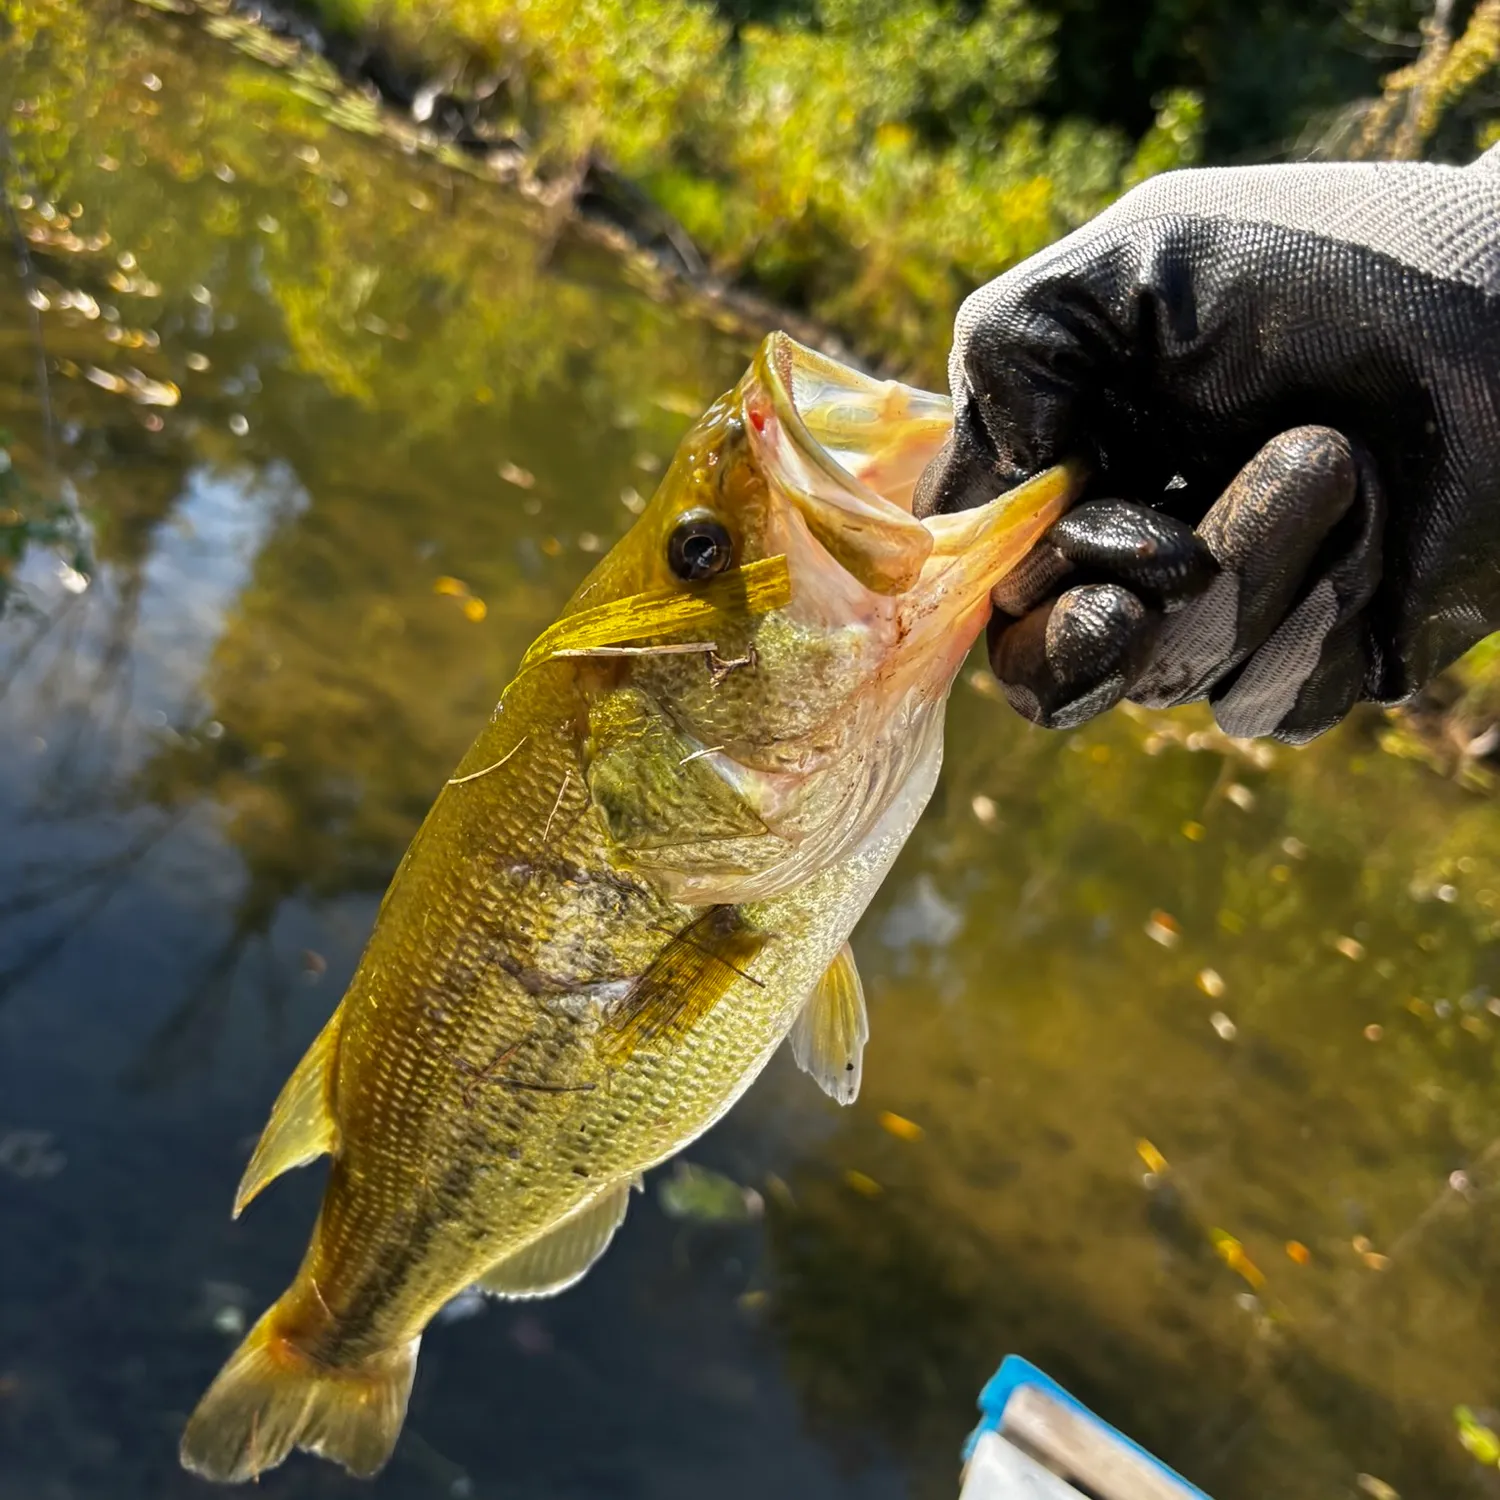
(863, 164)
(867, 163)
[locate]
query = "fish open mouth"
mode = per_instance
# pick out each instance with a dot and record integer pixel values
(878, 435)
(847, 450)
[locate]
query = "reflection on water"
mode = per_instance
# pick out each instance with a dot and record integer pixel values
(1201, 1045)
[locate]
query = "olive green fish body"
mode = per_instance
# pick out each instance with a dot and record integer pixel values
(637, 883)
(471, 1049)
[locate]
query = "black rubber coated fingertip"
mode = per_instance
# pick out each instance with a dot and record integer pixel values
(1074, 657)
(1156, 556)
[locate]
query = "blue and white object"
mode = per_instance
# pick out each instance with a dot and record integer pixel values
(1036, 1442)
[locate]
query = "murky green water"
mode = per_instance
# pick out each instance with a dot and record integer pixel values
(211, 759)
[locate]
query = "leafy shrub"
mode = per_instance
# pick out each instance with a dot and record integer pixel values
(869, 161)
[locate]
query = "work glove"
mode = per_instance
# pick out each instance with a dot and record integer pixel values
(1285, 382)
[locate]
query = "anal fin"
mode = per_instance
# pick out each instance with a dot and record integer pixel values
(564, 1254)
(829, 1035)
(302, 1126)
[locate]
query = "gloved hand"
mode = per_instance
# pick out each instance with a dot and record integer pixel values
(1299, 363)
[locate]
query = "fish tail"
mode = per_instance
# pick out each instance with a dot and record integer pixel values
(273, 1396)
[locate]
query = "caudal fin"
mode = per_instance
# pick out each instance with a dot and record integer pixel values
(272, 1397)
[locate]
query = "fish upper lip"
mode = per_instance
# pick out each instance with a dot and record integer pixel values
(774, 364)
(873, 537)
(775, 368)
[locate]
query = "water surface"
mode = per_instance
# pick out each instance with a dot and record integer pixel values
(348, 424)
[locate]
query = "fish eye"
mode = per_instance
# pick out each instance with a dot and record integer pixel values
(699, 547)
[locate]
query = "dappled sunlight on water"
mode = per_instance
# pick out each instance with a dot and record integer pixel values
(1182, 1079)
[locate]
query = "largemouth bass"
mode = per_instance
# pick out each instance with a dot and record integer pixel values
(638, 883)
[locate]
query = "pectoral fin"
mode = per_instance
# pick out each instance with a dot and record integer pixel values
(563, 1255)
(691, 974)
(829, 1035)
(302, 1126)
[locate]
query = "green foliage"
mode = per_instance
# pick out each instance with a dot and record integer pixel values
(1264, 70)
(870, 161)
(1437, 104)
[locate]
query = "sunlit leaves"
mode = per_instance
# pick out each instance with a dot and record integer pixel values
(872, 161)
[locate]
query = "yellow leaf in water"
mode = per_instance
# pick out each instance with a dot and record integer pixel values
(1155, 1161)
(452, 588)
(1232, 1253)
(475, 610)
(899, 1126)
(1479, 1441)
(1195, 832)
(865, 1186)
(680, 403)
(1162, 927)
(147, 392)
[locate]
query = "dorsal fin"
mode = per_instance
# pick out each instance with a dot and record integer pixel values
(829, 1035)
(302, 1126)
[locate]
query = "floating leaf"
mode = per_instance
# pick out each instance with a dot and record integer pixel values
(1232, 1253)
(899, 1126)
(1162, 927)
(1480, 1442)
(702, 1196)
(1155, 1161)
